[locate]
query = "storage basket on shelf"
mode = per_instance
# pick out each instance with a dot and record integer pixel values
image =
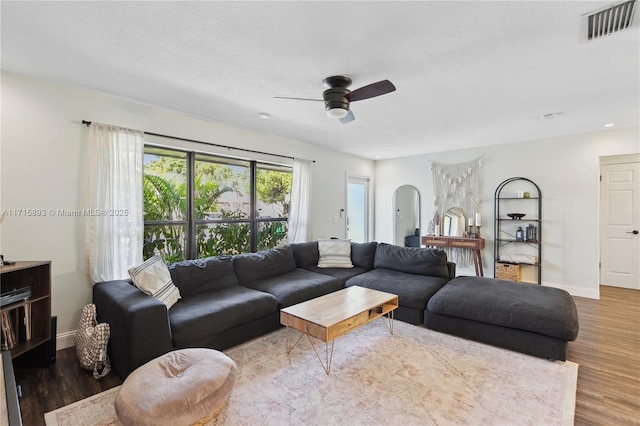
(508, 271)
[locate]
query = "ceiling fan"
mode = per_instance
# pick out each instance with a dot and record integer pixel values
(338, 97)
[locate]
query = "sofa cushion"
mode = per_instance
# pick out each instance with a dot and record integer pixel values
(413, 260)
(342, 274)
(196, 320)
(334, 253)
(363, 254)
(305, 254)
(154, 279)
(545, 310)
(203, 275)
(264, 264)
(296, 286)
(414, 291)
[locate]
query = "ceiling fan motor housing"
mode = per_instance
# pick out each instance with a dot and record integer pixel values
(335, 97)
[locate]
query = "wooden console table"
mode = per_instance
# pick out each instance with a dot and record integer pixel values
(474, 244)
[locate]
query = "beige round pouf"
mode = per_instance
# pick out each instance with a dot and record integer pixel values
(182, 387)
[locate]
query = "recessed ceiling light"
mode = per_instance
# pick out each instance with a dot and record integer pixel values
(264, 114)
(550, 116)
(608, 125)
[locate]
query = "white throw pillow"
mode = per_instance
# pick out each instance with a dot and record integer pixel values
(153, 278)
(334, 254)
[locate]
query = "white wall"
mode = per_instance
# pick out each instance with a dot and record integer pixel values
(42, 159)
(42, 156)
(567, 171)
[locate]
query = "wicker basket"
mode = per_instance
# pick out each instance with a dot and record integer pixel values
(508, 271)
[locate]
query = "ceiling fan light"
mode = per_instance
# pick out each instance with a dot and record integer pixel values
(337, 112)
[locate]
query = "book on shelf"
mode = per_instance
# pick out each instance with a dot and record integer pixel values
(8, 332)
(23, 326)
(27, 321)
(4, 336)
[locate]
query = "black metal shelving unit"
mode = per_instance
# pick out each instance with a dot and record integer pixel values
(504, 225)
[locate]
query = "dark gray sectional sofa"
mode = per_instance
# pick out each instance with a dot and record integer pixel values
(227, 300)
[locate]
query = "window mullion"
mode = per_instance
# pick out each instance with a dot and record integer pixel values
(253, 226)
(191, 213)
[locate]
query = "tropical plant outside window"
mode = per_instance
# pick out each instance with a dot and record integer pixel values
(199, 205)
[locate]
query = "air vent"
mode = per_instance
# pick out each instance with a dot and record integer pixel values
(609, 20)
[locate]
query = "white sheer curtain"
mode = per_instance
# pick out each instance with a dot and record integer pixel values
(299, 209)
(114, 219)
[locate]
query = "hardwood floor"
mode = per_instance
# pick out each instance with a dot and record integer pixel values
(607, 349)
(45, 389)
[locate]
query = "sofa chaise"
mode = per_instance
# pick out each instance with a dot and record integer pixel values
(527, 318)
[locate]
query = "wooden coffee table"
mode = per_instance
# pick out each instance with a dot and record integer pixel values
(332, 315)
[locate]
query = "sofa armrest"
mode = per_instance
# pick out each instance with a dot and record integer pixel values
(452, 270)
(139, 325)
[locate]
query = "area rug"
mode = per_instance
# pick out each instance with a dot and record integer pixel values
(415, 376)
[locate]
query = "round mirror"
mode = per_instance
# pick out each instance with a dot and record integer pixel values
(453, 224)
(406, 216)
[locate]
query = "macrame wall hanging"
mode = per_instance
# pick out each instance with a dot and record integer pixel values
(456, 185)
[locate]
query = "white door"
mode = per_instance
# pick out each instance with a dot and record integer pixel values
(620, 225)
(358, 209)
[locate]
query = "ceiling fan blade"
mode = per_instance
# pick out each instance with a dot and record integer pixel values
(371, 91)
(348, 118)
(297, 99)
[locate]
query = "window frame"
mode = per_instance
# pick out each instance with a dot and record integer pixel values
(190, 222)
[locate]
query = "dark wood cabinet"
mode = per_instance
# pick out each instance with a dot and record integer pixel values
(30, 318)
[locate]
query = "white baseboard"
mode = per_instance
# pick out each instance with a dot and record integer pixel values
(577, 291)
(65, 340)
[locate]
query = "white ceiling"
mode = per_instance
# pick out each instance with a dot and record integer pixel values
(467, 74)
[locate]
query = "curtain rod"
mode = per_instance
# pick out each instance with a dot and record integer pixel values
(88, 123)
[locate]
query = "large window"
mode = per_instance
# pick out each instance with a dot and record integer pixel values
(199, 205)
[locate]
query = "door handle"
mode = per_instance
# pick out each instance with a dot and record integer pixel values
(634, 232)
